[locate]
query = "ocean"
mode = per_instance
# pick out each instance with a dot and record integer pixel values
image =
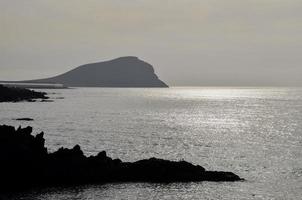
(253, 132)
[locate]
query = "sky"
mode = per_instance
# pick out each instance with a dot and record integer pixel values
(189, 42)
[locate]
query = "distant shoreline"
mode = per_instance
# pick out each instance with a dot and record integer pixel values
(33, 85)
(17, 94)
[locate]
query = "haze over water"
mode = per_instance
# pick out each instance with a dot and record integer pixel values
(253, 132)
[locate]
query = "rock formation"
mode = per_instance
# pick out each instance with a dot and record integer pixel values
(24, 119)
(25, 162)
(14, 94)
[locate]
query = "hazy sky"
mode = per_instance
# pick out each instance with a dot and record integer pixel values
(189, 42)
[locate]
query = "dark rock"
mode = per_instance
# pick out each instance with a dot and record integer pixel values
(25, 162)
(14, 94)
(46, 100)
(24, 119)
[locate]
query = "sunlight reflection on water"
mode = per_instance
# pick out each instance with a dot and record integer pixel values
(254, 132)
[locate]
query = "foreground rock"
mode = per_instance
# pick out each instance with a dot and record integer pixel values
(25, 162)
(14, 94)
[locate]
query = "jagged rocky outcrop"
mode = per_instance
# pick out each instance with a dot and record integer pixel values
(14, 94)
(25, 162)
(121, 72)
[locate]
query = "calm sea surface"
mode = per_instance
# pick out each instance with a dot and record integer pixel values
(254, 132)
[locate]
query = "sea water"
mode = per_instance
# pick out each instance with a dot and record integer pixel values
(253, 132)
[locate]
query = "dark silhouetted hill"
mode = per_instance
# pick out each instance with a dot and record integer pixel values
(121, 72)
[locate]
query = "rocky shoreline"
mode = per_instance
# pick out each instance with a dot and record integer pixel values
(25, 162)
(15, 94)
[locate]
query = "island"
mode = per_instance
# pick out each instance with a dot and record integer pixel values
(26, 162)
(15, 94)
(126, 71)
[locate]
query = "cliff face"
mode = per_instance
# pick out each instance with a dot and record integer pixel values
(120, 72)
